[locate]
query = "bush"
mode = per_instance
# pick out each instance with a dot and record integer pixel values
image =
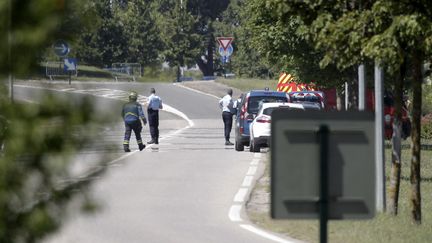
(426, 125)
(427, 99)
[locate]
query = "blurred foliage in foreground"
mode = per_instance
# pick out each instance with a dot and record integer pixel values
(37, 145)
(38, 141)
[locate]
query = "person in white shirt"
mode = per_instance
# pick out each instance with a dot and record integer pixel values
(154, 105)
(226, 104)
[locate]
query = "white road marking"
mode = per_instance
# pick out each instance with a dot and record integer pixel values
(255, 162)
(241, 195)
(252, 170)
(234, 213)
(68, 89)
(247, 182)
(265, 234)
(197, 91)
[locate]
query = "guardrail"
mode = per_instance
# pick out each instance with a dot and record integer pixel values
(56, 69)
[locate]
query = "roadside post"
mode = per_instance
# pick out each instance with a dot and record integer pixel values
(322, 166)
(70, 65)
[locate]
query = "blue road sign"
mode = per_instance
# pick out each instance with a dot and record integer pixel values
(70, 64)
(226, 52)
(61, 48)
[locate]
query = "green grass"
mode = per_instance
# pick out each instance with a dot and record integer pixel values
(382, 228)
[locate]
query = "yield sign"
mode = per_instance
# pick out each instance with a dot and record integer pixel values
(225, 42)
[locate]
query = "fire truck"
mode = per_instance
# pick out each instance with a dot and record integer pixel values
(327, 98)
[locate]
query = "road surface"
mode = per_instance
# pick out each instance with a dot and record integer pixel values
(189, 188)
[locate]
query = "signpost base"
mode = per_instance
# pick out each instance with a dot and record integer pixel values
(323, 137)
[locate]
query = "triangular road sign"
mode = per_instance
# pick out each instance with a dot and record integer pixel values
(225, 42)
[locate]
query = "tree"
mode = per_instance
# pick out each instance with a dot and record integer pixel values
(181, 43)
(387, 31)
(124, 31)
(187, 31)
(284, 48)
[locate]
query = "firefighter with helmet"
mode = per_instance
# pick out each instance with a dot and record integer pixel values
(133, 114)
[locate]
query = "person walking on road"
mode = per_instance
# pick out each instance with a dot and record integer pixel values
(226, 104)
(133, 114)
(154, 105)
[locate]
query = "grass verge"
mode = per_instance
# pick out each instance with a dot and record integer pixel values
(382, 228)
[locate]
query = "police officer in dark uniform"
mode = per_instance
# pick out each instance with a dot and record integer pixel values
(132, 114)
(154, 105)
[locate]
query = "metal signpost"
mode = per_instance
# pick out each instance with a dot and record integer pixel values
(70, 65)
(322, 166)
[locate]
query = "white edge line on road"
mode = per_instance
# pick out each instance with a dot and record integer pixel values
(197, 91)
(255, 162)
(234, 213)
(252, 170)
(265, 234)
(247, 182)
(241, 195)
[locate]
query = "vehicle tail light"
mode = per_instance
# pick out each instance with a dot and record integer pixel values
(250, 117)
(263, 119)
(244, 109)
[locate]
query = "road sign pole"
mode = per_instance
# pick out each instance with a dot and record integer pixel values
(323, 136)
(361, 87)
(379, 141)
(70, 77)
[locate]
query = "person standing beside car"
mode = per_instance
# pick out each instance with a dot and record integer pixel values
(154, 105)
(226, 104)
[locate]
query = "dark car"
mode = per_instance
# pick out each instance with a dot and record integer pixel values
(247, 108)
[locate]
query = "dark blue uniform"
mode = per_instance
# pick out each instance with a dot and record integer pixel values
(132, 112)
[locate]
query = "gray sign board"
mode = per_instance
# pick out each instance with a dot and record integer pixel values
(295, 164)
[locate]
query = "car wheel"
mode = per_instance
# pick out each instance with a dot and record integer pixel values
(253, 147)
(239, 146)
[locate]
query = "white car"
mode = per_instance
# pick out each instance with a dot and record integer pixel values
(260, 126)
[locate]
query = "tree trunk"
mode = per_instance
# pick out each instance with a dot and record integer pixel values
(207, 67)
(394, 187)
(415, 138)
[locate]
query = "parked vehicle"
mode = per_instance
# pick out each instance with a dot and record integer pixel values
(260, 128)
(389, 111)
(312, 97)
(247, 110)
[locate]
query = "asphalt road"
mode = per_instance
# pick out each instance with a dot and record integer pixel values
(189, 188)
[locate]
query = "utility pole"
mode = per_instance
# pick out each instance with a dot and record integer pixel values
(379, 139)
(178, 41)
(361, 87)
(9, 37)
